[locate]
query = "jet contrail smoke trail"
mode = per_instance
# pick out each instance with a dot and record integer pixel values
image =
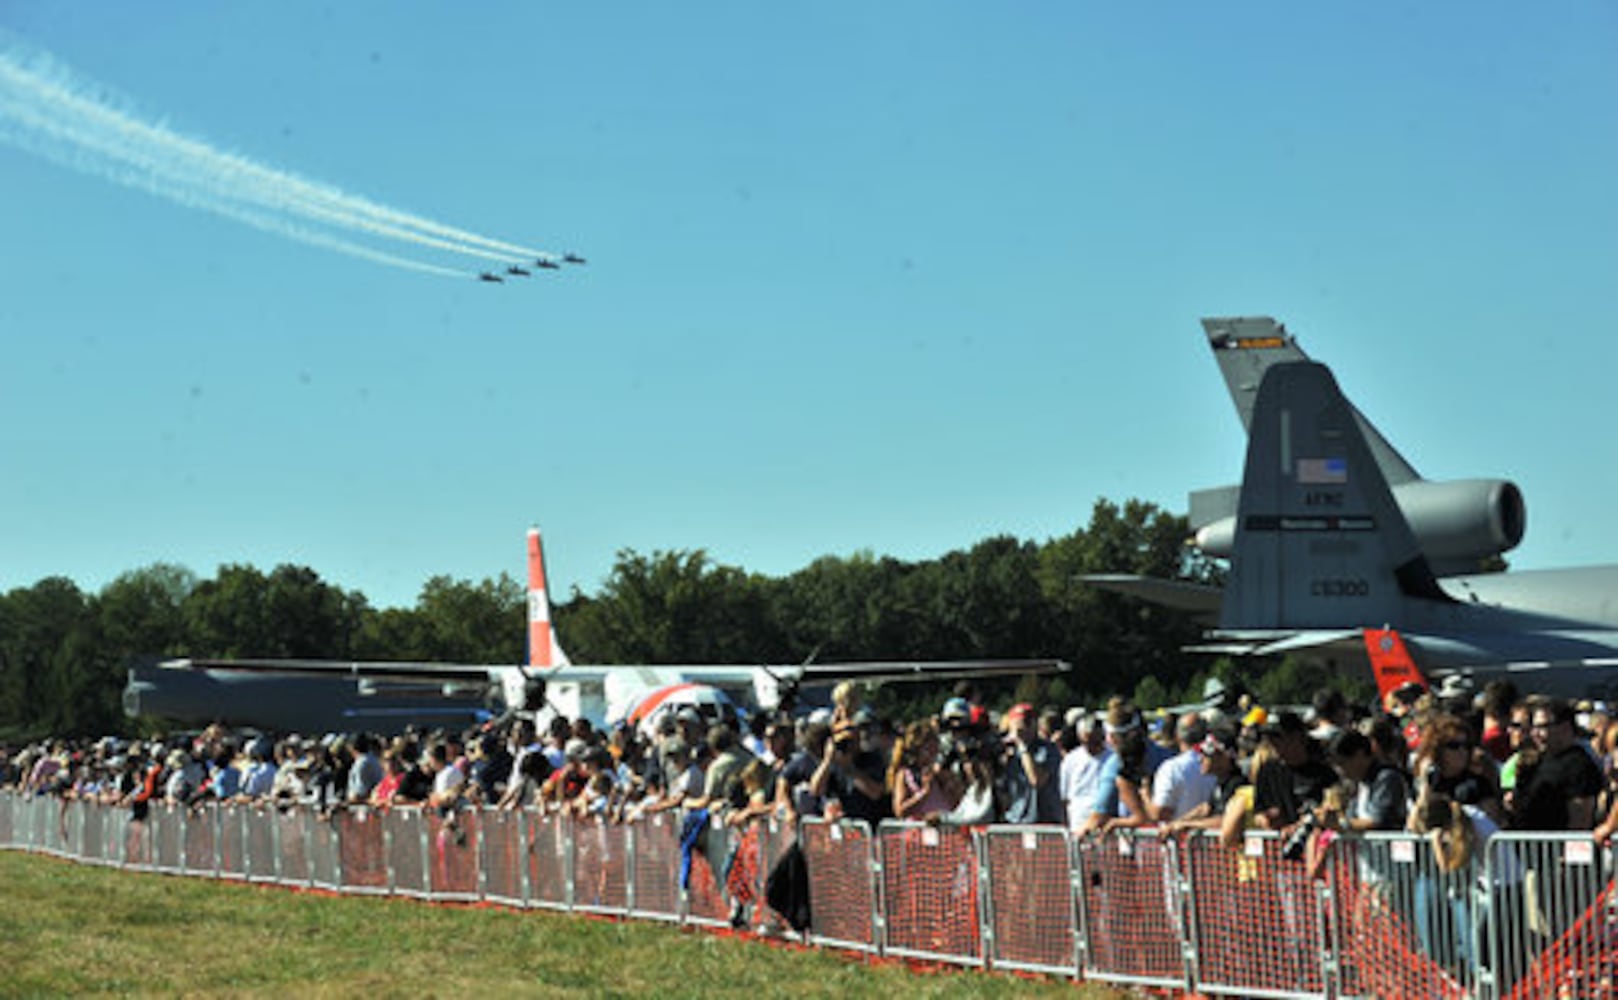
(48, 111)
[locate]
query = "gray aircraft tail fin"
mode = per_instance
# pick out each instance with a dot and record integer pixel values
(1320, 542)
(1248, 346)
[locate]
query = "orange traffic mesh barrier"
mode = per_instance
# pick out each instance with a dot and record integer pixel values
(548, 861)
(1398, 927)
(1030, 898)
(137, 845)
(600, 866)
(842, 898)
(775, 841)
(503, 857)
(1584, 961)
(742, 881)
(363, 849)
(1131, 930)
(705, 901)
(930, 892)
(261, 863)
(452, 849)
(657, 867)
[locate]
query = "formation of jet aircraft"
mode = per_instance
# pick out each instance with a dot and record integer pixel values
(543, 263)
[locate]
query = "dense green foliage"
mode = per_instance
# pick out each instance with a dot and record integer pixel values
(63, 652)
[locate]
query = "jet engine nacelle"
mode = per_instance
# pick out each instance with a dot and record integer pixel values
(1458, 524)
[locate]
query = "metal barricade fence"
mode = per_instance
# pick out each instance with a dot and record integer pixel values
(1130, 926)
(656, 840)
(1255, 923)
(1553, 917)
(503, 859)
(1032, 920)
(407, 852)
(1403, 926)
(930, 892)
(1532, 915)
(168, 833)
(325, 852)
(232, 842)
(8, 828)
(844, 884)
(600, 866)
(292, 846)
(550, 862)
(199, 837)
(363, 850)
(704, 892)
(260, 844)
(452, 856)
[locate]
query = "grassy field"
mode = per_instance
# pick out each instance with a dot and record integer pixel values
(72, 929)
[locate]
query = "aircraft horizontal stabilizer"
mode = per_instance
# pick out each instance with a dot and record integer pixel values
(1182, 595)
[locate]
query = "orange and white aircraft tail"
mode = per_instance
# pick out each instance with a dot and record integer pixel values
(1391, 661)
(544, 652)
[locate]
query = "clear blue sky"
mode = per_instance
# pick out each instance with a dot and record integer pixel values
(894, 276)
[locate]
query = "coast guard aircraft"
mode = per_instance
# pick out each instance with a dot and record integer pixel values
(550, 683)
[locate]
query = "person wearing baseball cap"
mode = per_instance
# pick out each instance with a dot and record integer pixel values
(1031, 768)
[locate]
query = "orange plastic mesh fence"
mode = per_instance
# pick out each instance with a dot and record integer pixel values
(1403, 927)
(775, 840)
(92, 820)
(1558, 923)
(137, 845)
(363, 845)
(600, 866)
(1030, 898)
(705, 901)
(657, 867)
(742, 882)
(1131, 928)
(452, 855)
(842, 899)
(548, 861)
(930, 892)
(503, 857)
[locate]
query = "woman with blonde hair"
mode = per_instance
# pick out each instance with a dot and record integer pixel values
(920, 787)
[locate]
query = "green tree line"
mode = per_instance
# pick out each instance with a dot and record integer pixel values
(64, 652)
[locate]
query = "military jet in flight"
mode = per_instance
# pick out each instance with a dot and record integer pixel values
(547, 263)
(514, 269)
(573, 258)
(491, 276)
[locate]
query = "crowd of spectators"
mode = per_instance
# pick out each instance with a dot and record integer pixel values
(1443, 762)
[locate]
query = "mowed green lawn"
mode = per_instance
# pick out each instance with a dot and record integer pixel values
(67, 928)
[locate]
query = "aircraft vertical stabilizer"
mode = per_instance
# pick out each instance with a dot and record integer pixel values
(544, 651)
(1391, 662)
(1320, 542)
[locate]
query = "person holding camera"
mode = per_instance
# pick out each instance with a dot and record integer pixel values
(851, 780)
(1031, 795)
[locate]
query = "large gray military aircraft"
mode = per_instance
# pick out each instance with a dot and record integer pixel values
(1322, 551)
(1332, 533)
